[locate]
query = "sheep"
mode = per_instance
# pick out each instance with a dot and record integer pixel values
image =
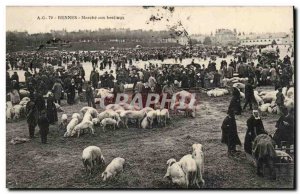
(114, 168)
(81, 126)
(198, 156)
(258, 99)
(71, 126)
(290, 92)
(187, 96)
(109, 114)
(138, 115)
(264, 107)
(102, 93)
(114, 107)
(92, 156)
(175, 173)
(147, 109)
(76, 115)
(9, 104)
(188, 110)
(217, 92)
(24, 92)
(151, 115)
(109, 121)
(9, 113)
(91, 110)
(163, 116)
(283, 157)
(289, 103)
(240, 86)
(189, 167)
(268, 96)
(95, 121)
(127, 106)
(145, 123)
(64, 121)
(18, 111)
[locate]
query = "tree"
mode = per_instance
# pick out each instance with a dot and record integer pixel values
(207, 41)
(274, 42)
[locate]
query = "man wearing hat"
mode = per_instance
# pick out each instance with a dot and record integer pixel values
(280, 101)
(90, 95)
(57, 90)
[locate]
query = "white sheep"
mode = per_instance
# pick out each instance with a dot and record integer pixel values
(145, 123)
(198, 156)
(77, 115)
(147, 109)
(189, 167)
(92, 111)
(290, 92)
(114, 107)
(64, 121)
(109, 121)
(81, 126)
(9, 113)
(164, 116)
(18, 111)
(137, 115)
(95, 121)
(258, 99)
(175, 173)
(113, 169)
(24, 92)
(92, 156)
(264, 107)
(71, 126)
(240, 86)
(151, 115)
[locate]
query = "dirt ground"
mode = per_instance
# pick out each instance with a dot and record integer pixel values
(58, 164)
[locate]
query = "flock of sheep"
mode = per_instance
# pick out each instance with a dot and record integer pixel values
(187, 172)
(265, 99)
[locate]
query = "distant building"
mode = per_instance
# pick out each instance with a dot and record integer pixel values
(266, 39)
(226, 37)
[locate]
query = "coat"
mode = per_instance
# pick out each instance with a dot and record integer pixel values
(229, 132)
(235, 103)
(51, 110)
(255, 127)
(57, 90)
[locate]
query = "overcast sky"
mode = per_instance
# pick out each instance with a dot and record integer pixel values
(194, 19)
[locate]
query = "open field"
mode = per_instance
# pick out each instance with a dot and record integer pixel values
(58, 163)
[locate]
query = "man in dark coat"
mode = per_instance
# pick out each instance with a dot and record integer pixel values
(249, 94)
(51, 110)
(43, 124)
(32, 117)
(280, 101)
(235, 103)
(229, 133)
(90, 95)
(255, 127)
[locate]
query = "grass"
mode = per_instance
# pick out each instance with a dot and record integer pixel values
(58, 163)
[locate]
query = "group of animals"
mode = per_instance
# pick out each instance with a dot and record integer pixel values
(187, 172)
(92, 157)
(115, 116)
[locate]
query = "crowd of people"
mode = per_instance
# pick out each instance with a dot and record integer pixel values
(152, 78)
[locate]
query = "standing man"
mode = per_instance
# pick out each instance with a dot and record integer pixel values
(57, 91)
(90, 95)
(249, 94)
(43, 124)
(280, 101)
(31, 116)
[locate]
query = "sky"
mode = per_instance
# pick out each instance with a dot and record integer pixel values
(196, 20)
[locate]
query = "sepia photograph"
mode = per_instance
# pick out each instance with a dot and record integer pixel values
(150, 97)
